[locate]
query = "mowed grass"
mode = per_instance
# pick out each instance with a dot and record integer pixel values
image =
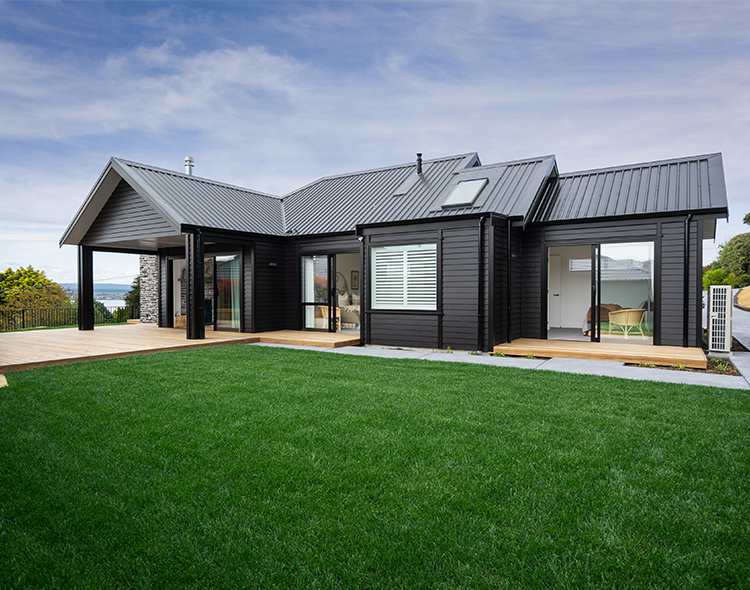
(254, 467)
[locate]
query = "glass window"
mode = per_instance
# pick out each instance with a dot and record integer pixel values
(404, 277)
(465, 192)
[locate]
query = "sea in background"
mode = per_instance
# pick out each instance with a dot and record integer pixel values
(112, 303)
(110, 294)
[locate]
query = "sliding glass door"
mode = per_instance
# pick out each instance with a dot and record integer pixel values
(601, 292)
(228, 292)
(626, 292)
(317, 306)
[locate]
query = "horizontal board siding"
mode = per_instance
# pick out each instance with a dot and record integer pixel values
(127, 216)
(270, 308)
(460, 282)
(326, 245)
(672, 278)
(293, 287)
(500, 295)
(404, 330)
(672, 285)
(247, 278)
(596, 232)
(527, 278)
(406, 237)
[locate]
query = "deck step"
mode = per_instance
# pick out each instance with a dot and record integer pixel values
(606, 351)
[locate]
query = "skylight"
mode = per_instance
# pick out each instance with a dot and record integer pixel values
(465, 192)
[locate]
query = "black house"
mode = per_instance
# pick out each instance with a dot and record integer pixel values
(440, 253)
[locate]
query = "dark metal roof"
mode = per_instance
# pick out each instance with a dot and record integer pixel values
(512, 188)
(340, 203)
(191, 200)
(668, 186)
(528, 189)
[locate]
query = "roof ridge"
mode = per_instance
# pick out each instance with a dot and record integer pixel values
(639, 165)
(381, 169)
(511, 162)
(196, 178)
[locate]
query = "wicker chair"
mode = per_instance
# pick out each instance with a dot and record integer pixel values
(627, 320)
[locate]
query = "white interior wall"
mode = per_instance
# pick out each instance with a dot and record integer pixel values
(575, 286)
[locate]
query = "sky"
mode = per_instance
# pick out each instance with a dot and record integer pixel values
(274, 95)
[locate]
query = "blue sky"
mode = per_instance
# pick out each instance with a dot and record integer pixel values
(273, 95)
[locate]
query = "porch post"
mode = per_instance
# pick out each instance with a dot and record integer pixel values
(196, 320)
(85, 288)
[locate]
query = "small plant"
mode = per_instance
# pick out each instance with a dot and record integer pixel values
(498, 353)
(530, 356)
(648, 365)
(681, 367)
(722, 365)
(475, 353)
(448, 350)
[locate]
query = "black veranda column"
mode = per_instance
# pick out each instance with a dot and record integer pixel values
(196, 321)
(85, 288)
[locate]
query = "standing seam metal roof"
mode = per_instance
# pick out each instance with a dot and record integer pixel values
(667, 186)
(202, 202)
(340, 203)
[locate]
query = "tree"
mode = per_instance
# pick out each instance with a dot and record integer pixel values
(734, 256)
(133, 297)
(746, 219)
(29, 288)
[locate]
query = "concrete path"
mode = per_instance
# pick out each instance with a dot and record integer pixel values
(741, 360)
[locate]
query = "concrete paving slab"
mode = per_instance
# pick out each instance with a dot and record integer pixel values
(583, 366)
(495, 361)
(562, 365)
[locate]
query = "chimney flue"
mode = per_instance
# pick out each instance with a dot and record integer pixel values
(189, 165)
(419, 164)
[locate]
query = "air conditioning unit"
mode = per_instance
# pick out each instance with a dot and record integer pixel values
(719, 318)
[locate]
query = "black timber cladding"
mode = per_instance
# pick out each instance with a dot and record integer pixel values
(127, 216)
(269, 308)
(455, 323)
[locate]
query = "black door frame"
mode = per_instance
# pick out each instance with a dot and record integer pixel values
(331, 291)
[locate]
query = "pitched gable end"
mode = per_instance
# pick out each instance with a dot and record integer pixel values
(127, 216)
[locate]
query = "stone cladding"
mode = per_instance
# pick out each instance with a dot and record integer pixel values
(149, 289)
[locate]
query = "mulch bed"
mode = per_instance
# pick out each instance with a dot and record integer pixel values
(715, 366)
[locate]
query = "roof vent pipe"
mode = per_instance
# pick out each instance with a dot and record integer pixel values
(189, 165)
(419, 164)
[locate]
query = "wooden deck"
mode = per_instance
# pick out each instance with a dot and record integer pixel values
(606, 351)
(42, 348)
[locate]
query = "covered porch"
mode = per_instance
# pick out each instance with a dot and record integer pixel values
(606, 351)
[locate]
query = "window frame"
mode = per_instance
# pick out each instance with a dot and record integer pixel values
(401, 294)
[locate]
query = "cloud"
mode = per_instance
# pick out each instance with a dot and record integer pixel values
(273, 98)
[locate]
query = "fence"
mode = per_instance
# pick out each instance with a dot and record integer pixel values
(22, 319)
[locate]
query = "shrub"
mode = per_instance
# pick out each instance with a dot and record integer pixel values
(734, 256)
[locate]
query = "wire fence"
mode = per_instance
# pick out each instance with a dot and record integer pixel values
(23, 319)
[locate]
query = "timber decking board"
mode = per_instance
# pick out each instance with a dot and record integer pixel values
(33, 349)
(303, 338)
(606, 351)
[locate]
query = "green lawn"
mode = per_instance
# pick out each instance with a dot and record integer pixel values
(253, 467)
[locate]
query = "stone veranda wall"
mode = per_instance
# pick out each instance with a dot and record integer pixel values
(149, 289)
